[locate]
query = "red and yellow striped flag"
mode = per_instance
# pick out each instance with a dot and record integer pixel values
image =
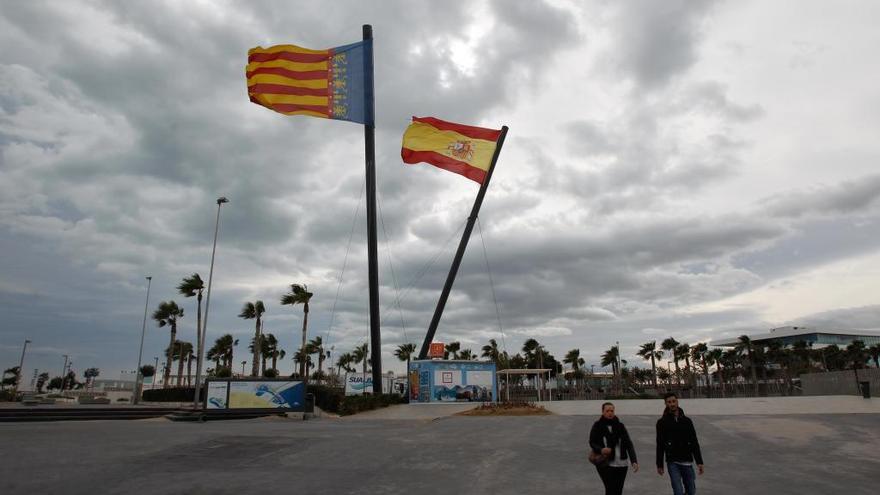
(333, 83)
(462, 149)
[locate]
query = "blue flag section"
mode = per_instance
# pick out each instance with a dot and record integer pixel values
(351, 82)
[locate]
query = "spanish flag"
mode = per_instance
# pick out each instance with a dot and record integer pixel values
(335, 83)
(463, 149)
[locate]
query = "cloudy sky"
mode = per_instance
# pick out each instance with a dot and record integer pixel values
(687, 169)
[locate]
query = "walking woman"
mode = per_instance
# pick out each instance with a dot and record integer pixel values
(611, 450)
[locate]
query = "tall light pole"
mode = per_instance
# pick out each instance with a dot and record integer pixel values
(63, 371)
(20, 368)
(198, 390)
(137, 378)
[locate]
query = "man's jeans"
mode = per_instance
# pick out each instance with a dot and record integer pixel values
(682, 478)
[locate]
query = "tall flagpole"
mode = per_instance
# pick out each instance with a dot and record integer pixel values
(372, 243)
(438, 312)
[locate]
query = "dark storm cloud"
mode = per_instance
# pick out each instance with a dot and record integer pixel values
(657, 41)
(851, 196)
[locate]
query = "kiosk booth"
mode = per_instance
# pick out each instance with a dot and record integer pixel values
(452, 381)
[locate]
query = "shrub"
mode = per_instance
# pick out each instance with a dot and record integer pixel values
(354, 404)
(177, 394)
(271, 373)
(327, 398)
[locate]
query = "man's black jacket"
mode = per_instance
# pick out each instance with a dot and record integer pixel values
(677, 439)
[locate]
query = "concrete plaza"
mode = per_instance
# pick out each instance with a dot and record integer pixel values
(432, 452)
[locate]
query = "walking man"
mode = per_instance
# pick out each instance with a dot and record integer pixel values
(677, 442)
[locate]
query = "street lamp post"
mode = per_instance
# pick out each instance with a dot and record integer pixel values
(198, 388)
(137, 378)
(20, 368)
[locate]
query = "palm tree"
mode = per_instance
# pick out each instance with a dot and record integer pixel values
(316, 346)
(304, 360)
(452, 349)
(186, 353)
(493, 353)
(404, 352)
(610, 357)
(179, 355)
(874, 352)
(573, 357)
(670, 345)
(716, 356)
(225, 345)
(41, 381)
(361, 354)
(699, 354)
(684, 353)
(167, 314)
(649, 351)
(530, 352)
(343, 362)
(467, 355)
(745, 344)
(189, 287)
(254, 311)
(299, 294)
(261, 351)
(272, 350)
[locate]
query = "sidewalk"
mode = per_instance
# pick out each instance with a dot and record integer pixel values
(828, 404)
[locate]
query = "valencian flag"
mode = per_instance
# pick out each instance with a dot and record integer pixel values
(331, 83)
(463, 149)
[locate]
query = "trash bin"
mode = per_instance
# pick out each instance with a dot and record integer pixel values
(866, 389)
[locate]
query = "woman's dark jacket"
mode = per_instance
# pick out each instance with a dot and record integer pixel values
(600, 438)
(677, 439)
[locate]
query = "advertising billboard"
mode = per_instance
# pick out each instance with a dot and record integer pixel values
(358, 383)
(452, 381)
(217, 395)
(265, 394)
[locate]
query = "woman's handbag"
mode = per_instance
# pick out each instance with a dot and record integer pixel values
(600, 460)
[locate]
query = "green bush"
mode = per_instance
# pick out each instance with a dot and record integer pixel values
(354, 404)
(327, 398)
(177, 394)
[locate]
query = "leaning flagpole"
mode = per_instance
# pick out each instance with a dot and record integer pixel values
(450, 279)
(372, 243)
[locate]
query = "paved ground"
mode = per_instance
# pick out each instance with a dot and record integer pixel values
(761, 454)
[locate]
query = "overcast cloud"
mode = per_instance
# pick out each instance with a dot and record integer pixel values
(687, 169)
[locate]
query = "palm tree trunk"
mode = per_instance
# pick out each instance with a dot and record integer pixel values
(169, 353)
(706, 374)
(754, 373)
(180, 365)
(262, 364)
(677, 374)
(258, 346)
(275, 360)
(189, 370)
(653, 371)
(721, 378)
(304, 365)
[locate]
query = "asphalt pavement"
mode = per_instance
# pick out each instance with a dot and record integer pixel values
(760, 454)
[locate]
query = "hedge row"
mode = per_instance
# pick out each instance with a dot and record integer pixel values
(181, 394)
(327, 398)
(354, 404)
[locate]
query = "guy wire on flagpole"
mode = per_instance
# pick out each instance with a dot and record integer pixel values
(372, 242)
(438, 312)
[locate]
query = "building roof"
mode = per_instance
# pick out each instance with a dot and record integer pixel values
(792, 331)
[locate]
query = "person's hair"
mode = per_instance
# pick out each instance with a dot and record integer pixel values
(668, 395)
(606, 404)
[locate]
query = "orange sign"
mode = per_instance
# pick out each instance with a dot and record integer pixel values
(436, 350)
